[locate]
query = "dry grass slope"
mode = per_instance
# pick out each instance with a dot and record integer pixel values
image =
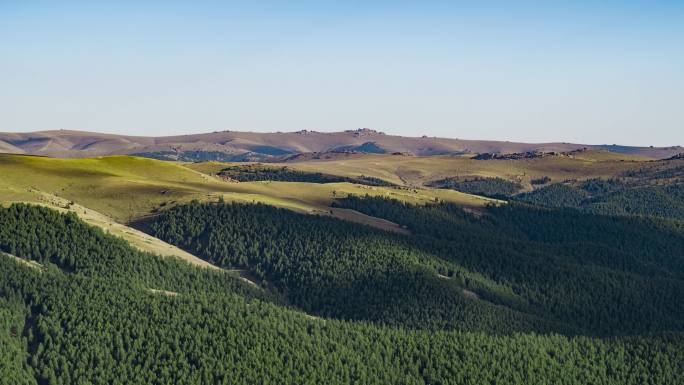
(417, 171)
(124, 188)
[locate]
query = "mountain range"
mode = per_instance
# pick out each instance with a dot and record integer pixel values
(235, 145)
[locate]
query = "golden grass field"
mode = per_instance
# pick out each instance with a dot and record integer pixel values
(125, 188)
(120, 189)
(413, 171)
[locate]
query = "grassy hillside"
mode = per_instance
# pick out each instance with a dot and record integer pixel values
(418, 171)
(126, 188)
(120, 187)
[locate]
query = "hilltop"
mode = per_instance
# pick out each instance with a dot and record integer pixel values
(240, 146)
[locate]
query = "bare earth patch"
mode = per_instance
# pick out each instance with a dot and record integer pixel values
(163, 292)
(31, 264)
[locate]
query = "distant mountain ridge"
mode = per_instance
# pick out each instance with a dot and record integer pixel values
(235, 145)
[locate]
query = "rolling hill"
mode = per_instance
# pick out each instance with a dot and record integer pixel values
(421, 171)
(234, 145)
(126, 188)
(357, 268)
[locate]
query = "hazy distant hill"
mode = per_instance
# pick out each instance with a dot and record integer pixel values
(230, 145)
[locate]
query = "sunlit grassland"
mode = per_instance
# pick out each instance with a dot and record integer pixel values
(416, 171)
(126, 188)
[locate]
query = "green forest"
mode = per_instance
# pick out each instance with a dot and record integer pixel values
(88, 316)
(603, 275)
(613, 197)
(260, 172)
(490, 187)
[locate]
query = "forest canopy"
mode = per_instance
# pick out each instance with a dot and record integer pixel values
(91, 309)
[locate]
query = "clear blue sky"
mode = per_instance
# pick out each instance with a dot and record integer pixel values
(580, 71)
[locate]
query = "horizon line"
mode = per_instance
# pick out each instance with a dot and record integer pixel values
(381, 132)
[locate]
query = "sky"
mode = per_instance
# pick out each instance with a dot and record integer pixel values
(594, 72)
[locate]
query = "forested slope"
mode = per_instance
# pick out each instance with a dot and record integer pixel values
(339, 269)
(260, 172)
(613, 197)
(604, 275)
(490, 187)
(79, 323)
